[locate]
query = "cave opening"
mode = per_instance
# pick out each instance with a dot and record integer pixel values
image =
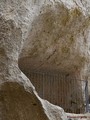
(59, 88)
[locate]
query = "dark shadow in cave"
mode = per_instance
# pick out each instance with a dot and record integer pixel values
(58, 88)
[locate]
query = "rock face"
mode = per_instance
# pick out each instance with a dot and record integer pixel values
(18, 98)
(53, 34)
(58, 41)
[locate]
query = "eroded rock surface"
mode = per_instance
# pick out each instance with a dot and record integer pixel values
(18, 98)
(51, 33)
(58, 41)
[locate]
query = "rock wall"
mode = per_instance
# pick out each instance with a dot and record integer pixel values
(58, 41)
(48, 31)
(18, 98)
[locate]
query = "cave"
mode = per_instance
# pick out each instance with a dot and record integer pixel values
(59, 88)
(53, 60)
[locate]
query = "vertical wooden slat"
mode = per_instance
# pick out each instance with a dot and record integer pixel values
(56, 85)
(58, 89)
(86, 96)
(42, 86)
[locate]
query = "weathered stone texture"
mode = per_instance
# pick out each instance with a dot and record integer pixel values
(53, 34)
(18, 98)
(58, 41)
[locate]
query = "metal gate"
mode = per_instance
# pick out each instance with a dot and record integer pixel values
(59, 89)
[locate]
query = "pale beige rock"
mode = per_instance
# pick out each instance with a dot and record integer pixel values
(58, 41)
(26, 22)
(18, 98)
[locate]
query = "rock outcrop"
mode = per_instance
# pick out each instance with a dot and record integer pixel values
(58, 41)
(53, 34)
(18, 98)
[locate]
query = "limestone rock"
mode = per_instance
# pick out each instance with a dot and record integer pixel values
(18, 98)
(46, 30)
(58, 41)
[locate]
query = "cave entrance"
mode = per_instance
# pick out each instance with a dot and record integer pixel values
(60, 89)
